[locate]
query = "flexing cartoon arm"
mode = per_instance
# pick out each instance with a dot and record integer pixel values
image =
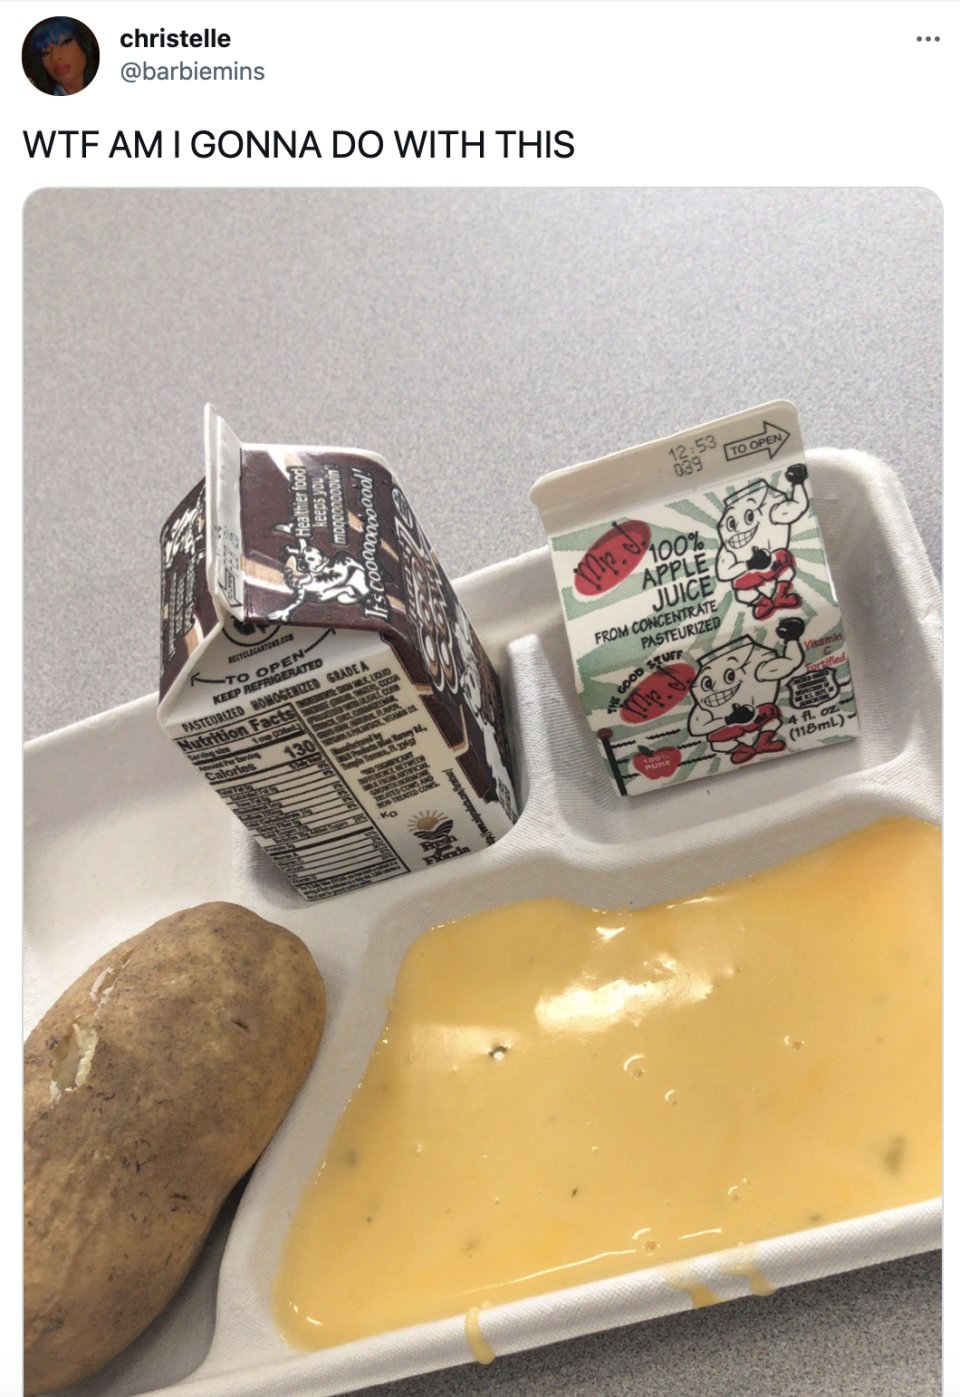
(727, 565)
(780, 666)
(789, 510)
(701, 721)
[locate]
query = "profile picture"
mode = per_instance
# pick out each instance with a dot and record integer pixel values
(61, 56)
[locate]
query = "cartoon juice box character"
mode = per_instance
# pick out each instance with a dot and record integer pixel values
(701, 614)
(320, 672)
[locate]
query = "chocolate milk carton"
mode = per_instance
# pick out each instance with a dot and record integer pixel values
(319, 671)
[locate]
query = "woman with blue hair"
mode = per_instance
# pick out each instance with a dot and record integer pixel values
(60, 56)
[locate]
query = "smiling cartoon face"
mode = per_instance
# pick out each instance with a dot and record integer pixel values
(746, 522)
(729, 676)
(302, 563)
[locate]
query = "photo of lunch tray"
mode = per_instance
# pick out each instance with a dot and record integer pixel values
(120, 831)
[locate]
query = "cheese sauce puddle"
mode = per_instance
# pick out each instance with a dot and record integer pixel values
(561, 1095)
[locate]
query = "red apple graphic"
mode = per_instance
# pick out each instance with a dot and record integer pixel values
(655, 764)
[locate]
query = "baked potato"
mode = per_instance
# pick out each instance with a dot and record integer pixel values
(150, 1088)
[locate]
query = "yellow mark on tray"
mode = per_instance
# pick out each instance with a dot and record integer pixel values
(700, 1295)
(562, 1095)
(757, 1281)
(481, 1350)
(746, 1266)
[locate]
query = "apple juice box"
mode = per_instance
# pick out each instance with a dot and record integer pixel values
(319, 671)
(701, 615)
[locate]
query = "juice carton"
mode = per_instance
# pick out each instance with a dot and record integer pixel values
(702, 618)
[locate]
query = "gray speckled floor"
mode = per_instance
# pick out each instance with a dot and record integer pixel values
(860, 1335)
(476, 339)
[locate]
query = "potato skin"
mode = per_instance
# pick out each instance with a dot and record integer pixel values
(206, 1025)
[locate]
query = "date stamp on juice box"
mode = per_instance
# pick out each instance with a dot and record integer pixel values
(702, 618)
(318, 669)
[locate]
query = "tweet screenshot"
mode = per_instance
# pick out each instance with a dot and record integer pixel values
(477, 492)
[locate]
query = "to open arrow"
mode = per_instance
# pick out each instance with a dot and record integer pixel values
(198, 679)
(770, 440)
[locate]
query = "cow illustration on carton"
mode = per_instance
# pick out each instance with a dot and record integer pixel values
(320, 671)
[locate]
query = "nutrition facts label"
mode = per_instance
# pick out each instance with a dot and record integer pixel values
(275, 776)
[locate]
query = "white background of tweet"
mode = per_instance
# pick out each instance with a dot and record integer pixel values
(673, 94)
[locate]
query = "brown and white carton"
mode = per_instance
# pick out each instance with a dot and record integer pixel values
(320, 672)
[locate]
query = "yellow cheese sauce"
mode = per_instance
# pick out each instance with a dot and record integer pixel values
(479, 1347)
(561, 1095)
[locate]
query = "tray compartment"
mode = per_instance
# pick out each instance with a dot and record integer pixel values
(890, 605)
(121, 831)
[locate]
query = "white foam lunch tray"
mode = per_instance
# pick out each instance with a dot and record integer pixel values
(121, 830)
